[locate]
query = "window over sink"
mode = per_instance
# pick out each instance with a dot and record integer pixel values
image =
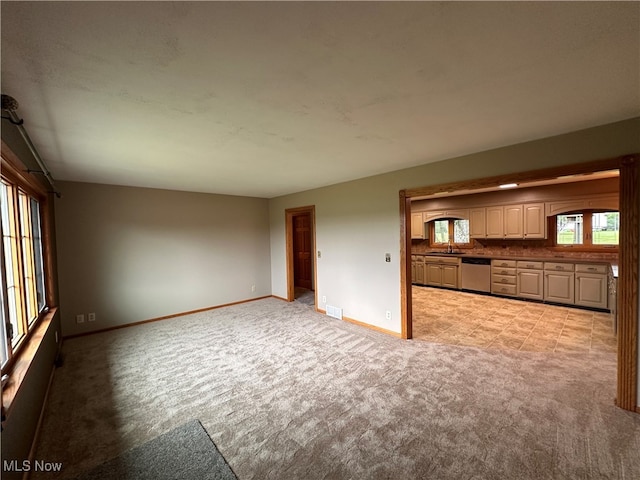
(451, 229)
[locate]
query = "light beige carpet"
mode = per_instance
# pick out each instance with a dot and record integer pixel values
(286, 393)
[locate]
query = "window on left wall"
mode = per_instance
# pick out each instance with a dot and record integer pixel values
(23, 283)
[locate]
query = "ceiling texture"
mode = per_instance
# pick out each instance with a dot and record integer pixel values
(265, 99)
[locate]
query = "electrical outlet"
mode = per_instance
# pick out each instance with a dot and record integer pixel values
(319, 254)
(80, 318)
(324, 299)
(388, 315)
(253, 288)
(91, 317)
(56, 336)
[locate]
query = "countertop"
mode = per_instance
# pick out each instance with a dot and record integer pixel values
(557, 259)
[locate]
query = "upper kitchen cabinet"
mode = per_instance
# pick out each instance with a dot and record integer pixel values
(419, 228)
(478, 223)
(534, 220)
(508, 221)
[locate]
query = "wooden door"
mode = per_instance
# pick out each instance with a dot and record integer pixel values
(302, 271)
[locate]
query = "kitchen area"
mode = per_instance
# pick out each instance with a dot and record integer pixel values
(545, 252)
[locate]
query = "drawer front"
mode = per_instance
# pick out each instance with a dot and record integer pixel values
(503, 271)
(530, 265)
(502, 289)
(592, 268)
(559, 267)
(503, 279)
(503, 263)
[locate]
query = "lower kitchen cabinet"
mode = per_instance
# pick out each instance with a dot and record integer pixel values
(530, 284)
(592, 285)
(439, 275)
(417, 269)
(530, 279)
(559, 282)
(503, 277)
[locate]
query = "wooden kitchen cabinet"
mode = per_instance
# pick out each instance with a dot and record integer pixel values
(495, 222)
(417, 226)
(503, 277)
(591, 289)
(534, 220)
(450, 276)
(530, 283)
(441, 272)
(559, 282)
(513, 225)
(417, 269)
(433, 274)
(526, 220)
(420, 271)
(478, 223)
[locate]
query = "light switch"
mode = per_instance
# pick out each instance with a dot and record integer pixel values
(319, 254)
(387, 257)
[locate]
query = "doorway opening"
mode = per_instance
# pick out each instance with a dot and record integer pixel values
(300, 245)
(629, 206)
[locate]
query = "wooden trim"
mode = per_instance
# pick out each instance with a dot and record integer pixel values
(36, 436)
(628, 281)
(279, 298)
(21, 363)
(627, 387)
(166, 317)
(364, 324)
(518, 177)
(289, 214)
(16, 171)
(406, 322)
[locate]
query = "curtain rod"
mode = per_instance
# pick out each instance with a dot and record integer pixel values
(10, 105)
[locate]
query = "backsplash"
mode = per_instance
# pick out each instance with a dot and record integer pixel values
(518, 248)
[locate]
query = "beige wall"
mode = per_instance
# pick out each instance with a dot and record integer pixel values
(358, 222)
(131, 254)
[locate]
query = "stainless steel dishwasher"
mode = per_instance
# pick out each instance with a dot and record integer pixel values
(476, 274)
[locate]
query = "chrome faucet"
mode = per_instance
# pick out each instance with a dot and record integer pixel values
(449, 247)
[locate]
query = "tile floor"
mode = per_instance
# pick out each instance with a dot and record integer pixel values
(461, 318)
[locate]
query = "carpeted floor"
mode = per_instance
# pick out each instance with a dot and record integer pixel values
(287, 393)
(184, 453)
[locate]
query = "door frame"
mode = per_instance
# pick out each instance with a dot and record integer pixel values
(628, 261)
(289, 214)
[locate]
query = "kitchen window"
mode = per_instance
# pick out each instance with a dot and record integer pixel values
(452, 229)
(588, 228)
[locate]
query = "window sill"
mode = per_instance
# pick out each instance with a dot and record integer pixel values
(23, 360)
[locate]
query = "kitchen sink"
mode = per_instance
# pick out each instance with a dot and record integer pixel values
(439, 254)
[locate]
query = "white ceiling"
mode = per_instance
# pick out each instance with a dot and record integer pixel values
(264, 99)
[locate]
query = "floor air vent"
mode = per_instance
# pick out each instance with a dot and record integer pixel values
(334, 312)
